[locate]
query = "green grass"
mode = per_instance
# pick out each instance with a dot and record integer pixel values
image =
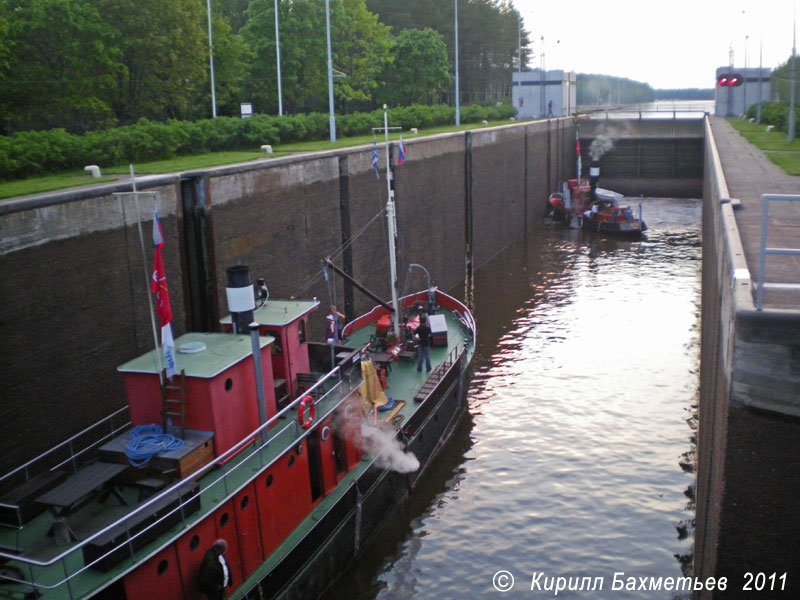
(773, 143)
(49, 183)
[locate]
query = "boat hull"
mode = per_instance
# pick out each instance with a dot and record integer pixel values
(336, 540)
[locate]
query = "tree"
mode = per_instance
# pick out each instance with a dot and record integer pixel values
(164, 55)
(419, 70)
(360, 47)
(57, 65)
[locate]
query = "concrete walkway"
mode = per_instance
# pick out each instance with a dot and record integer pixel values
(749, 173)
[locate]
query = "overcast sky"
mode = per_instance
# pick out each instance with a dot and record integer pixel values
(668, 43)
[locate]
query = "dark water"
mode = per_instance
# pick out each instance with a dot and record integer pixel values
(574, 460)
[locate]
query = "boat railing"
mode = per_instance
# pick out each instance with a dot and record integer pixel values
(765, 251)
(255, 452)
(71, 452)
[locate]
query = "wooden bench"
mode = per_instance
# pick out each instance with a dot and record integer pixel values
(305, 381)
(113, 546)
(19, 506)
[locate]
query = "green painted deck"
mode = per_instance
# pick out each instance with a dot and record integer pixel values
(217, 484)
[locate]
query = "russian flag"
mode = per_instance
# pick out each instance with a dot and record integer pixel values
(401, 156)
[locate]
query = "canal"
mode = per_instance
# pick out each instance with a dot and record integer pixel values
(576, 459)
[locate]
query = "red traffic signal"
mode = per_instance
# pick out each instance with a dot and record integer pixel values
(730, 80)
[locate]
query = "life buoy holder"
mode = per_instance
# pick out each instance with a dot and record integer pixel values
(308, 401)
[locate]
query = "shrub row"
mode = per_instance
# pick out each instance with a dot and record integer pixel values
(33, 153)
(772, 113)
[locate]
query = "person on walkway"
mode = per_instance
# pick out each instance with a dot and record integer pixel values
(215, 572)
(337, 318)
(423, 337)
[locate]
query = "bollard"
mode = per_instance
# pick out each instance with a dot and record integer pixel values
(414, 130)
(93, 170)
(267, 148)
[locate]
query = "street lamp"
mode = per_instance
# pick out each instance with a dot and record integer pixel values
(458, 105)
(278, 59)
(746, 37)
(330, 71)
(211, 61)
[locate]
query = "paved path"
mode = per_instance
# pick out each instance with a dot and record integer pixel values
(749, 173)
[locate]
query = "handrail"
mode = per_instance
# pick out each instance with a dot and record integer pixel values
(765, 251)
(68, 443)
(231, 452)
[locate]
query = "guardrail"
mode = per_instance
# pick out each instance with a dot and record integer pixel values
(287, 435)
(767, 251)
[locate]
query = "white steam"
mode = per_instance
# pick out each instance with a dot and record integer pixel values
(600, 145)
(387, 450)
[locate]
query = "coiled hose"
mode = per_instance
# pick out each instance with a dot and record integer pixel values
(145, 441)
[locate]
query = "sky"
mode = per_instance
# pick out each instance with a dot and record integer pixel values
(668, 44)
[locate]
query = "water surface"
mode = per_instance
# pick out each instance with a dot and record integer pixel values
(573, 461)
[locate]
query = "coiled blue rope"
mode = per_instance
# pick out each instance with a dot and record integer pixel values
(145, 441)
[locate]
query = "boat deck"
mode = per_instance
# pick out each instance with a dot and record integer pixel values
(55, 559)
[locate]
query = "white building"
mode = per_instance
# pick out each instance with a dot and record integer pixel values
(738, 89)
(540, 93)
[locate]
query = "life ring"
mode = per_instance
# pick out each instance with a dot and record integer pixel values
(301, 412)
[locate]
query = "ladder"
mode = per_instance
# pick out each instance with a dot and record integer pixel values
(173, 406)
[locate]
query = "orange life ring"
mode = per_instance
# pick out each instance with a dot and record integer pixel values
(301, 412)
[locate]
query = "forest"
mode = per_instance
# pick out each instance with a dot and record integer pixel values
(87, 65)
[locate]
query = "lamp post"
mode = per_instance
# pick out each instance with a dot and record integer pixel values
(519, 45)
(458, 105)
(211, 61)
(792, 93)
(278, 59)
(760, 83)
(330, 71)
(746, 37)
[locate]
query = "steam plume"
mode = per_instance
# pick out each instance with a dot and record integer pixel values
(387, 450)
(600, 145)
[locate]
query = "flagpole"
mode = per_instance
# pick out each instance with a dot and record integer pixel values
(147, 277)
(391, 218)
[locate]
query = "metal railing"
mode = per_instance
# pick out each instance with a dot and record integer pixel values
(257, 461)
(767, 251)
(70, 451)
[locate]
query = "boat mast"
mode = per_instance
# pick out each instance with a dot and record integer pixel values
(392, 226)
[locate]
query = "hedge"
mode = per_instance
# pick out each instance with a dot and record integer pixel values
(31, 153)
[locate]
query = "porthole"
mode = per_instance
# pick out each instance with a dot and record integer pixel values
(270, 479)
(291, 460)
(228, 384)
(162, 567)
(348, 411)
(325, 434)
(224, 520)
(194, 544)
(245, 502)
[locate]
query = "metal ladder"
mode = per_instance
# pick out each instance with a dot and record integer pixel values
(173, 405)
(767, 251)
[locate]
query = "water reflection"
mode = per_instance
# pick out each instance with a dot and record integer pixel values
(573, 460)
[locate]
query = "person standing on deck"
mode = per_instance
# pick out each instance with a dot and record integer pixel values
(337, 318)
(423, 337)
(215, 572)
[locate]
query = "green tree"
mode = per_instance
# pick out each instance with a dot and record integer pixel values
(419, 70)
(164, 54)
(57, 61)
(360, 48)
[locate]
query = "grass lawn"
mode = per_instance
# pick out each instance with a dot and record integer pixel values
(49, 183)
(773, 143)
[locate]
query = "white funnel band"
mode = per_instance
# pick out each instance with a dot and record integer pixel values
(240, 299)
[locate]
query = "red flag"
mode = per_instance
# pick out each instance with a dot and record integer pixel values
(163, 306)
(159, 283)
